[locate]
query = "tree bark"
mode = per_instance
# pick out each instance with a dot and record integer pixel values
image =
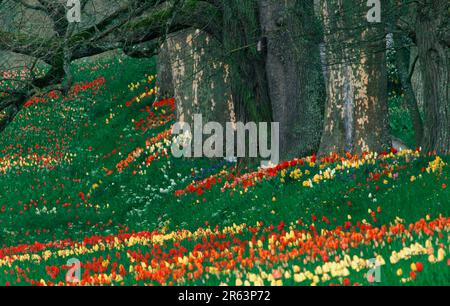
(356, 110)
(432, 28)
(294, 73)
(249, 85)
(193, 71)
(416, 77)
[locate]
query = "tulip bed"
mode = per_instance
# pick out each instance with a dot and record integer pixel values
(90, 178)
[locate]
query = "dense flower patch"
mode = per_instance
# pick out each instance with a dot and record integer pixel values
(241, 254)
(309, 171)
(94, 85)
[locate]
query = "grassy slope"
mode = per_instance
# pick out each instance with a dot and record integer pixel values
(82, 140)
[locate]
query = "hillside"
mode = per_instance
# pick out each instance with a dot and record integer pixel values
(91, 177)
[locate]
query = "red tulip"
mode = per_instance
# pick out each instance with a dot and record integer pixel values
(81, 195)
(419, 266)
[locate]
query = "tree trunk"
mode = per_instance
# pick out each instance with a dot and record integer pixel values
(191, 70)
(294, 73)
(249, 85)
(356, 114)
(432, 28)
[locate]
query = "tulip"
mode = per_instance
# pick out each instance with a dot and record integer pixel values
(419, 266)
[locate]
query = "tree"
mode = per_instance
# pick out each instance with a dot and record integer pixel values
(271, 51)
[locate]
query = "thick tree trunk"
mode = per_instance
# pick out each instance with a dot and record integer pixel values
(432, 28)
(294, 74)
(356, 111)
(249, 84)
(191, 71)
(249, 88)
